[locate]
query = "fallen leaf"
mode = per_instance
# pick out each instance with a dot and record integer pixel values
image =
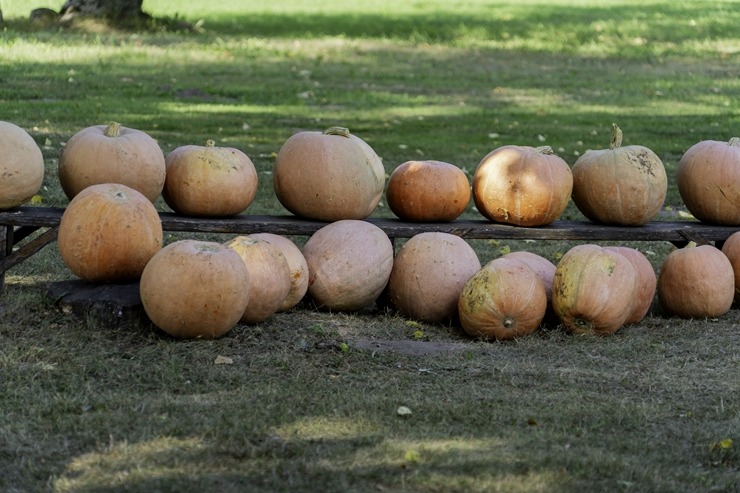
(223, 360)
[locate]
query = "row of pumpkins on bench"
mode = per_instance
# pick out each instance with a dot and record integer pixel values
(335, 175)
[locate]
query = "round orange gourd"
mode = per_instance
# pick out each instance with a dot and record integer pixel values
(428, 191)
(112, 154)
(349, 263)
(296, 262)
(594, 290)
(621, 185)
(328, 176)
(696, 282)
(646, 282)
(503, 300)
(428, 275)
(108, 233)
(209, 181)
(21, 166)
(731, 249)
(708, 180)
(521, 185)
(195, 289)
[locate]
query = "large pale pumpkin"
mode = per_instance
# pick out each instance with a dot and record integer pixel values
(428, 275)
(503, 300)
(108, 233)
(21, 166)
(296, 262)
(731, 249)
(328, 176)
(112, 154)
(542, 267)
(428, 191)
(621, 185)
(696, 282)
(594, 290)
(209, 181)
(521, 185)
(646, 282)
(195, 289)
(349, 264)
(708, 180)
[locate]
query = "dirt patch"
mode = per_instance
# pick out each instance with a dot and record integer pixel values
(410, 348)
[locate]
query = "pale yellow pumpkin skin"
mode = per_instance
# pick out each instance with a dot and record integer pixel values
(647, 282)
(195, 289)
(296, 262)
(21, 166)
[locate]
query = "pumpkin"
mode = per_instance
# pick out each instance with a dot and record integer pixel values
(502, 301)
(328, 176)
(540, 265)
(623, 186)
(594, 290)
(428, 191)
(731, 249)
(21, 166)
(112, 154)
(708, 180)
(108, 233)
(209, 181)
(195, 289)
(521, 185)
(296, 262)
(428, 275)
(696, 282)
(646, 282)
(349, 264)
(269, 276)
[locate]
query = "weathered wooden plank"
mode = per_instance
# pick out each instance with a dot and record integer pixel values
(28, 249)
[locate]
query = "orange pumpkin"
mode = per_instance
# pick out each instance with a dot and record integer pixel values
(209, 181)
(521, 185)
(328, 176)
(731, 249)
(108, 233)
(428, 191)
(621, 185)
(21, 166)
(296, 262)
(112, 154)
(708, 180)
(646, 282)
(542, 267)
(195, 289)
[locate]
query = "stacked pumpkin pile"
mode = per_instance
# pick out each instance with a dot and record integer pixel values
(111, 232)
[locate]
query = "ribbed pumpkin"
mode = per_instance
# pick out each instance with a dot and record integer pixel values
(328, 176)
(696, 282)
(21, 166)
(108, 233)
(428, 275)
(594, 290)
(112, 154)
(504, 300)
(296, 262)
(195, 289)
(428, 191)
(731, 249)
(349, 263)
(621, 185)
(540, 265)
(646, 282)
(708, 180)
(521, 185)
(209, 181)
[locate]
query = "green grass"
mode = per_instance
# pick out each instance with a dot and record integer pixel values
(94, 408)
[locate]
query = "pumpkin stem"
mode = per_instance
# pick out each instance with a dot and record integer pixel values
(210, 143)
(113, 129)
(735, 142)
(690, 244)
(344, 132)
(616, 137)
(545, 150)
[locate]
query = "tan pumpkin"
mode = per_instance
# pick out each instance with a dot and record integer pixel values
(621, 185)
(504, 300)
(195, 289)
(269, 276)
(296, 262)
(428, 191)
(112, 154)
(708, 180)
(108, 233)
(594, 290)
(696, 282)
(328, 176)
(731, 249)
(646, 282)
(209, 181)
(428, 275)
(542, 267)
(21, 166)
(349, 264)
(521, 185)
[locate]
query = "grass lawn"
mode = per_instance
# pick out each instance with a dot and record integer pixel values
(308, 400)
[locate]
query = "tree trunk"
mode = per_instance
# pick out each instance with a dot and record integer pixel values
(108, 9)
